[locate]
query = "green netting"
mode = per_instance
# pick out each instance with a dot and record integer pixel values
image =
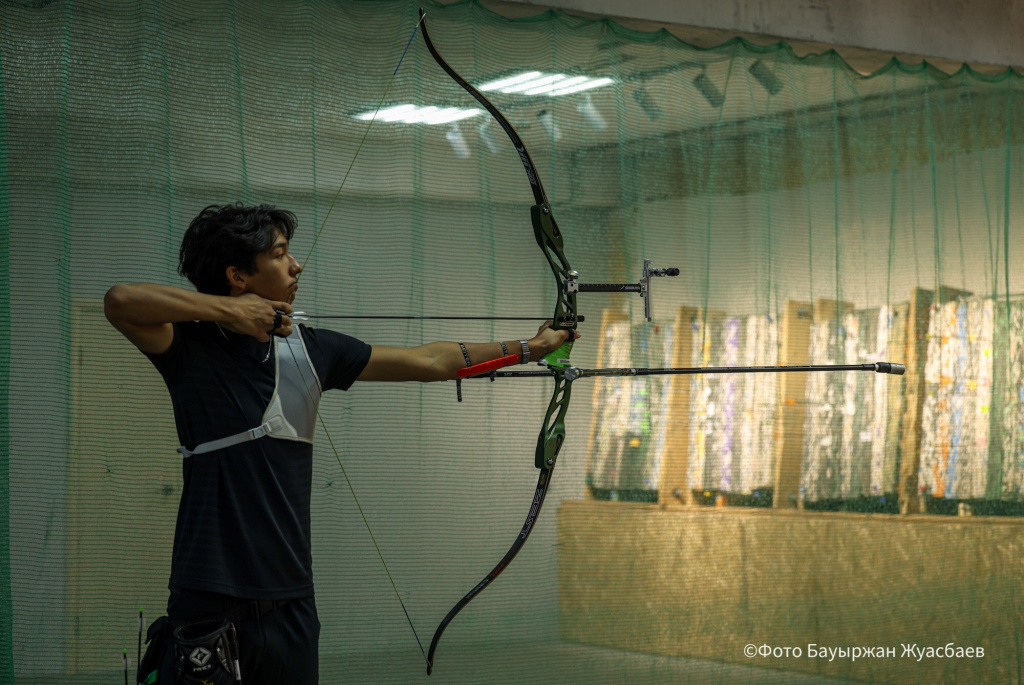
(815, 214)
(6, 607)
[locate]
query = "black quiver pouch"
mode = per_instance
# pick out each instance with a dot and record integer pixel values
(148, 671)
(206, 653)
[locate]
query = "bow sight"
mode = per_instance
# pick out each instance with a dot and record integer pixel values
(572, 285)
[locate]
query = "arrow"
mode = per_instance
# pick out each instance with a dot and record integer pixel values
(303, 316)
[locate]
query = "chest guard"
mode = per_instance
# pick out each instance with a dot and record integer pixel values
(292, 411)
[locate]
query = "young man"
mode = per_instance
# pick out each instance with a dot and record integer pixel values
(245, 383)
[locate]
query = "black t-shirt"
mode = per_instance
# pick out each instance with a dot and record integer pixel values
(243, 524)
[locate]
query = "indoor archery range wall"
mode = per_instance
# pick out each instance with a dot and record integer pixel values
(732, 442)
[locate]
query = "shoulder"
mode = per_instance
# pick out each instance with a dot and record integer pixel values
(189, 338)
(196, 330)
(339, 358)
(189, 332)
(327, 340)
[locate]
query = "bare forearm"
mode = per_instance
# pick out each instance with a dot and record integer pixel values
(148, 304)
(446, 358)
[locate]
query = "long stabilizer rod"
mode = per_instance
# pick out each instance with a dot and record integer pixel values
(572, 373)
(877, 367)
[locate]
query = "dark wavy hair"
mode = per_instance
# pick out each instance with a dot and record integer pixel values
(229, 235)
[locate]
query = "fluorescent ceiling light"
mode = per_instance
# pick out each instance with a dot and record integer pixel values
(422, 115)
(447, 116)
(557, 85)
(538, 83)
(411, 114)
(588, 85)
(510, 81)
(535, 83)
(390, 114)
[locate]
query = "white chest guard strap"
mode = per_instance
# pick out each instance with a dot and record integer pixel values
(292, 412)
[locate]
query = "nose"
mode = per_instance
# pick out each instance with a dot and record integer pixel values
(296, 267)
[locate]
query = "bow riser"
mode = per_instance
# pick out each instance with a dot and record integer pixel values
(549, 239)
(549, 442)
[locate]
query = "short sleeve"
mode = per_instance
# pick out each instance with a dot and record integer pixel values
(338, 358)
(168, 363)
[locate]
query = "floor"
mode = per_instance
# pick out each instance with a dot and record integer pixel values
(528, 663)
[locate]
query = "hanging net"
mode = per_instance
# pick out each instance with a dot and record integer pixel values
(817, 216)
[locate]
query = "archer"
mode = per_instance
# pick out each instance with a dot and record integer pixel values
(245, 383)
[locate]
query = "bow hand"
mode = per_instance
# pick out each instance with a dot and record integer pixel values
(555, 343)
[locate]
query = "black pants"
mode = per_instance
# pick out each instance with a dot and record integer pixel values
(278, 647)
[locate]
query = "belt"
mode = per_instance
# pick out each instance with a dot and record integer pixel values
(253, 609)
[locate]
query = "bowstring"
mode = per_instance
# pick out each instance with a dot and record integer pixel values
(352, 490)
(323, 424)
(362, 140)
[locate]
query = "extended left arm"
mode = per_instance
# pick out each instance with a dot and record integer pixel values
(439, 361)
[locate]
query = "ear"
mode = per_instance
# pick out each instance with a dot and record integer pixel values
(236, 279)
